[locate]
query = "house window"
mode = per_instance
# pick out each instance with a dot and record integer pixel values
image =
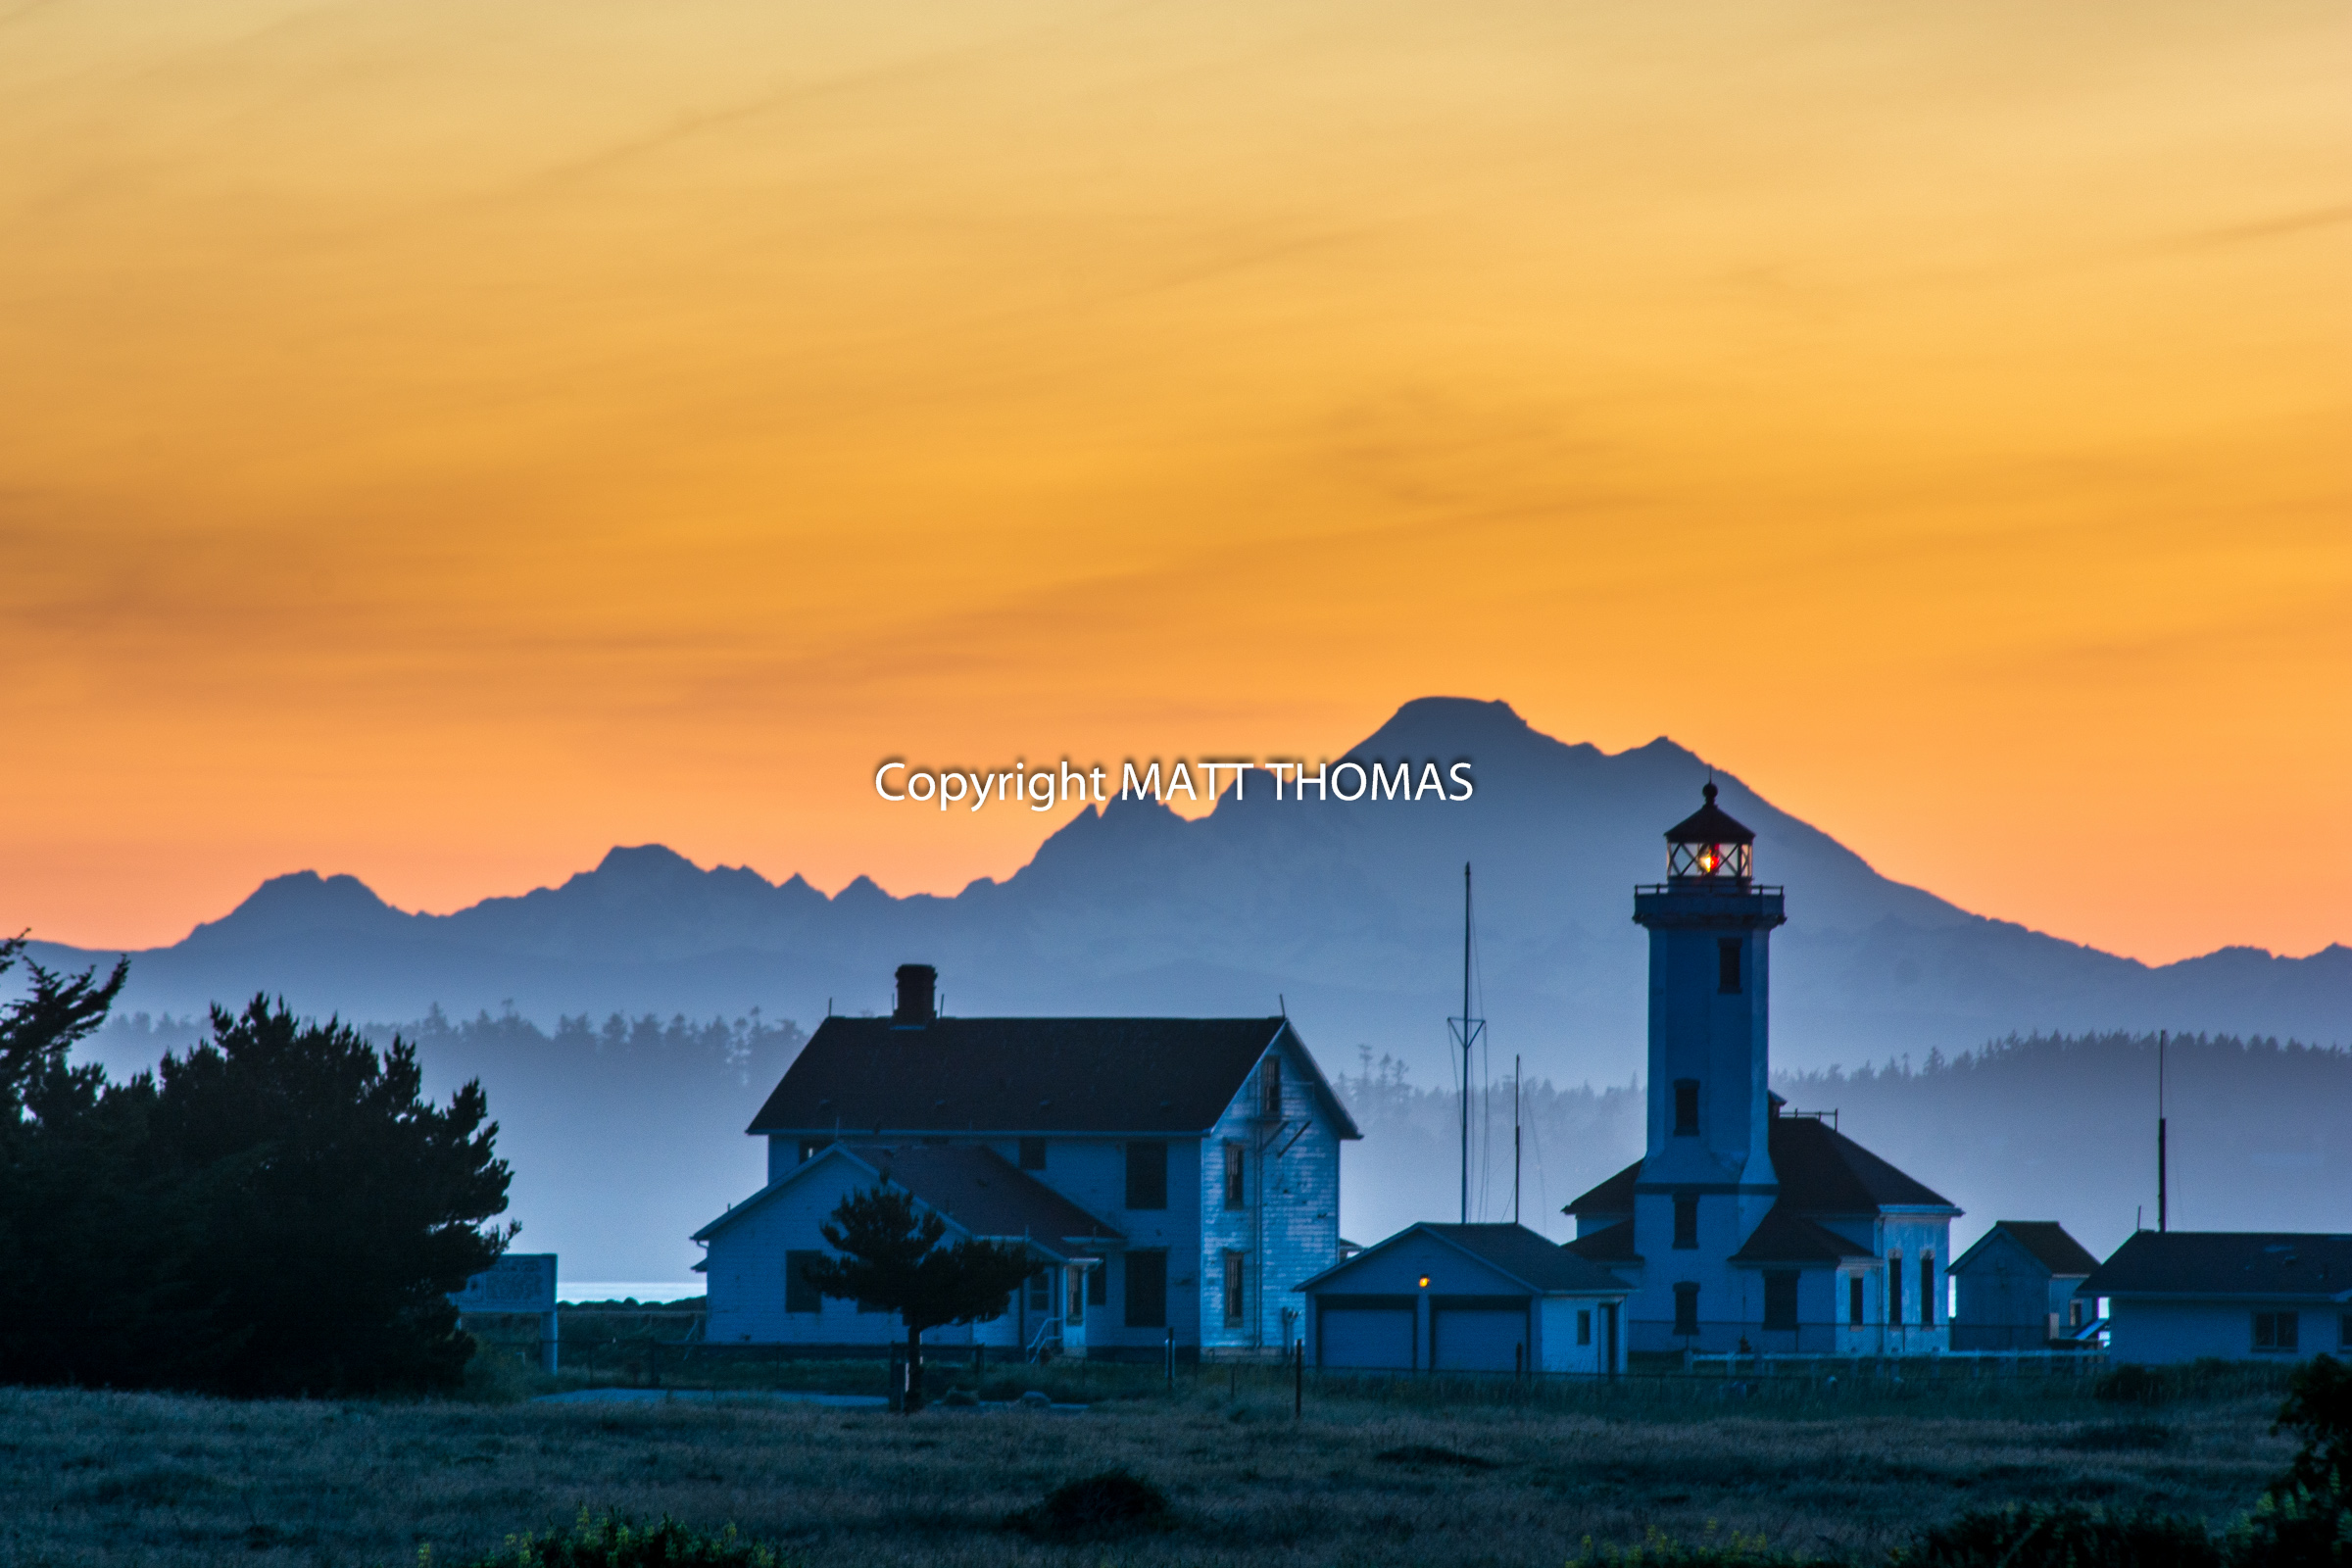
(1269, 1088)
(1077, 1295)
(799, 1295)
(1685, 1108)
(1237, 1285)
(1685, 1219)
(810, 1148)
(1098, 1285)
(1727, 965)
(1237, 1191)
(1041, 1293)
(1147, 1289)
(1584, 1327)
(2073, 1314)
(1926, 1289)
(1147, 1175)
(2276, 1331)
(2343, 1332)
(1032, 1153)
(1780, 1299)
(1894, 1289)
(1853, 1299)
(1686, 1307)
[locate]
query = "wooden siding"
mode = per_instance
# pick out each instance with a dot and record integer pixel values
(1289, 1233)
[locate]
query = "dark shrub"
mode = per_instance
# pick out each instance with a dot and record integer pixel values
(2305, 1517)
(1113, 1503)
(614, 1543)
(2065, 1536)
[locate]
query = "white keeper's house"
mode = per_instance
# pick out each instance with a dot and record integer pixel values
(1744, 1225)
(1178, 1176)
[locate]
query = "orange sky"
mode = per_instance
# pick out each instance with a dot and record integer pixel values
(439, 441)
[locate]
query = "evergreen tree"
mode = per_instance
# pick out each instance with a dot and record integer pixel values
(94, 1234)
(892, 1260)
(351, 1206)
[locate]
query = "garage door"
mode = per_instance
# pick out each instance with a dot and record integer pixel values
(1480, 1338)
(1364, 1334)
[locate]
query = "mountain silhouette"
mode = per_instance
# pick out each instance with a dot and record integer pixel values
(1348, 913)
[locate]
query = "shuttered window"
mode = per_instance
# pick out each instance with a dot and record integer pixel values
(1685, 1219)
(1237, 1169)
(1686, 1307)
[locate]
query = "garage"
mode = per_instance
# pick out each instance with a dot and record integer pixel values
(1485, 1299)
(1364, 1331)
(1479, 1335)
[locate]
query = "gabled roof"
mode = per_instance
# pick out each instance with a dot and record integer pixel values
(2228, 1263)
(968, 1077)
(1820, 1170)
(977, 1190)
(1611, 1243)
(2045, 1240)
(1511, 1251)
(1823, 1171)
(1784, 1236)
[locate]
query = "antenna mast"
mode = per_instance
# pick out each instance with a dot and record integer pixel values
(1466, 1031)
(1515, 1138)
(2161, 1172)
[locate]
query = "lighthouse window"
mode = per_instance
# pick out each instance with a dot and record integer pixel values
(1685, 1219)
(1727, 965)
(1686, 1307)
(1685, 1108)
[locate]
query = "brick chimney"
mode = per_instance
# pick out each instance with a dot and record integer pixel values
(915, 988)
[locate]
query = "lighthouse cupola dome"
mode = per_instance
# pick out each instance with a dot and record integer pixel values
(1710, 848)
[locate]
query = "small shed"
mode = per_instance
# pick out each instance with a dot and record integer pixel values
(1467, 1298)
(2180, 1295)
(2016, 1289)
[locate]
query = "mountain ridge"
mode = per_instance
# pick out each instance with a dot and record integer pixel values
(1353, 912)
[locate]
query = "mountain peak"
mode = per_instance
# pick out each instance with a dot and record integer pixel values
(298, 904)
(641, 862)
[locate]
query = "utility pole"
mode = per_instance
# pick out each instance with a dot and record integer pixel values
(2161, 1171)
(1466, 1031)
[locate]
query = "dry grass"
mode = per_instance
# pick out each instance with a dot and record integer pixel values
(89, 1478)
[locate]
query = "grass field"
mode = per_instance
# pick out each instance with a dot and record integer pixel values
(1408, 1475)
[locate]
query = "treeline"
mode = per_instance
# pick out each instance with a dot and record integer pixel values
(275, 1208)
(2064, 1127)
(1408, 1166)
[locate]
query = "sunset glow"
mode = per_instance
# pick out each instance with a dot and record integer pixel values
(439, 442)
